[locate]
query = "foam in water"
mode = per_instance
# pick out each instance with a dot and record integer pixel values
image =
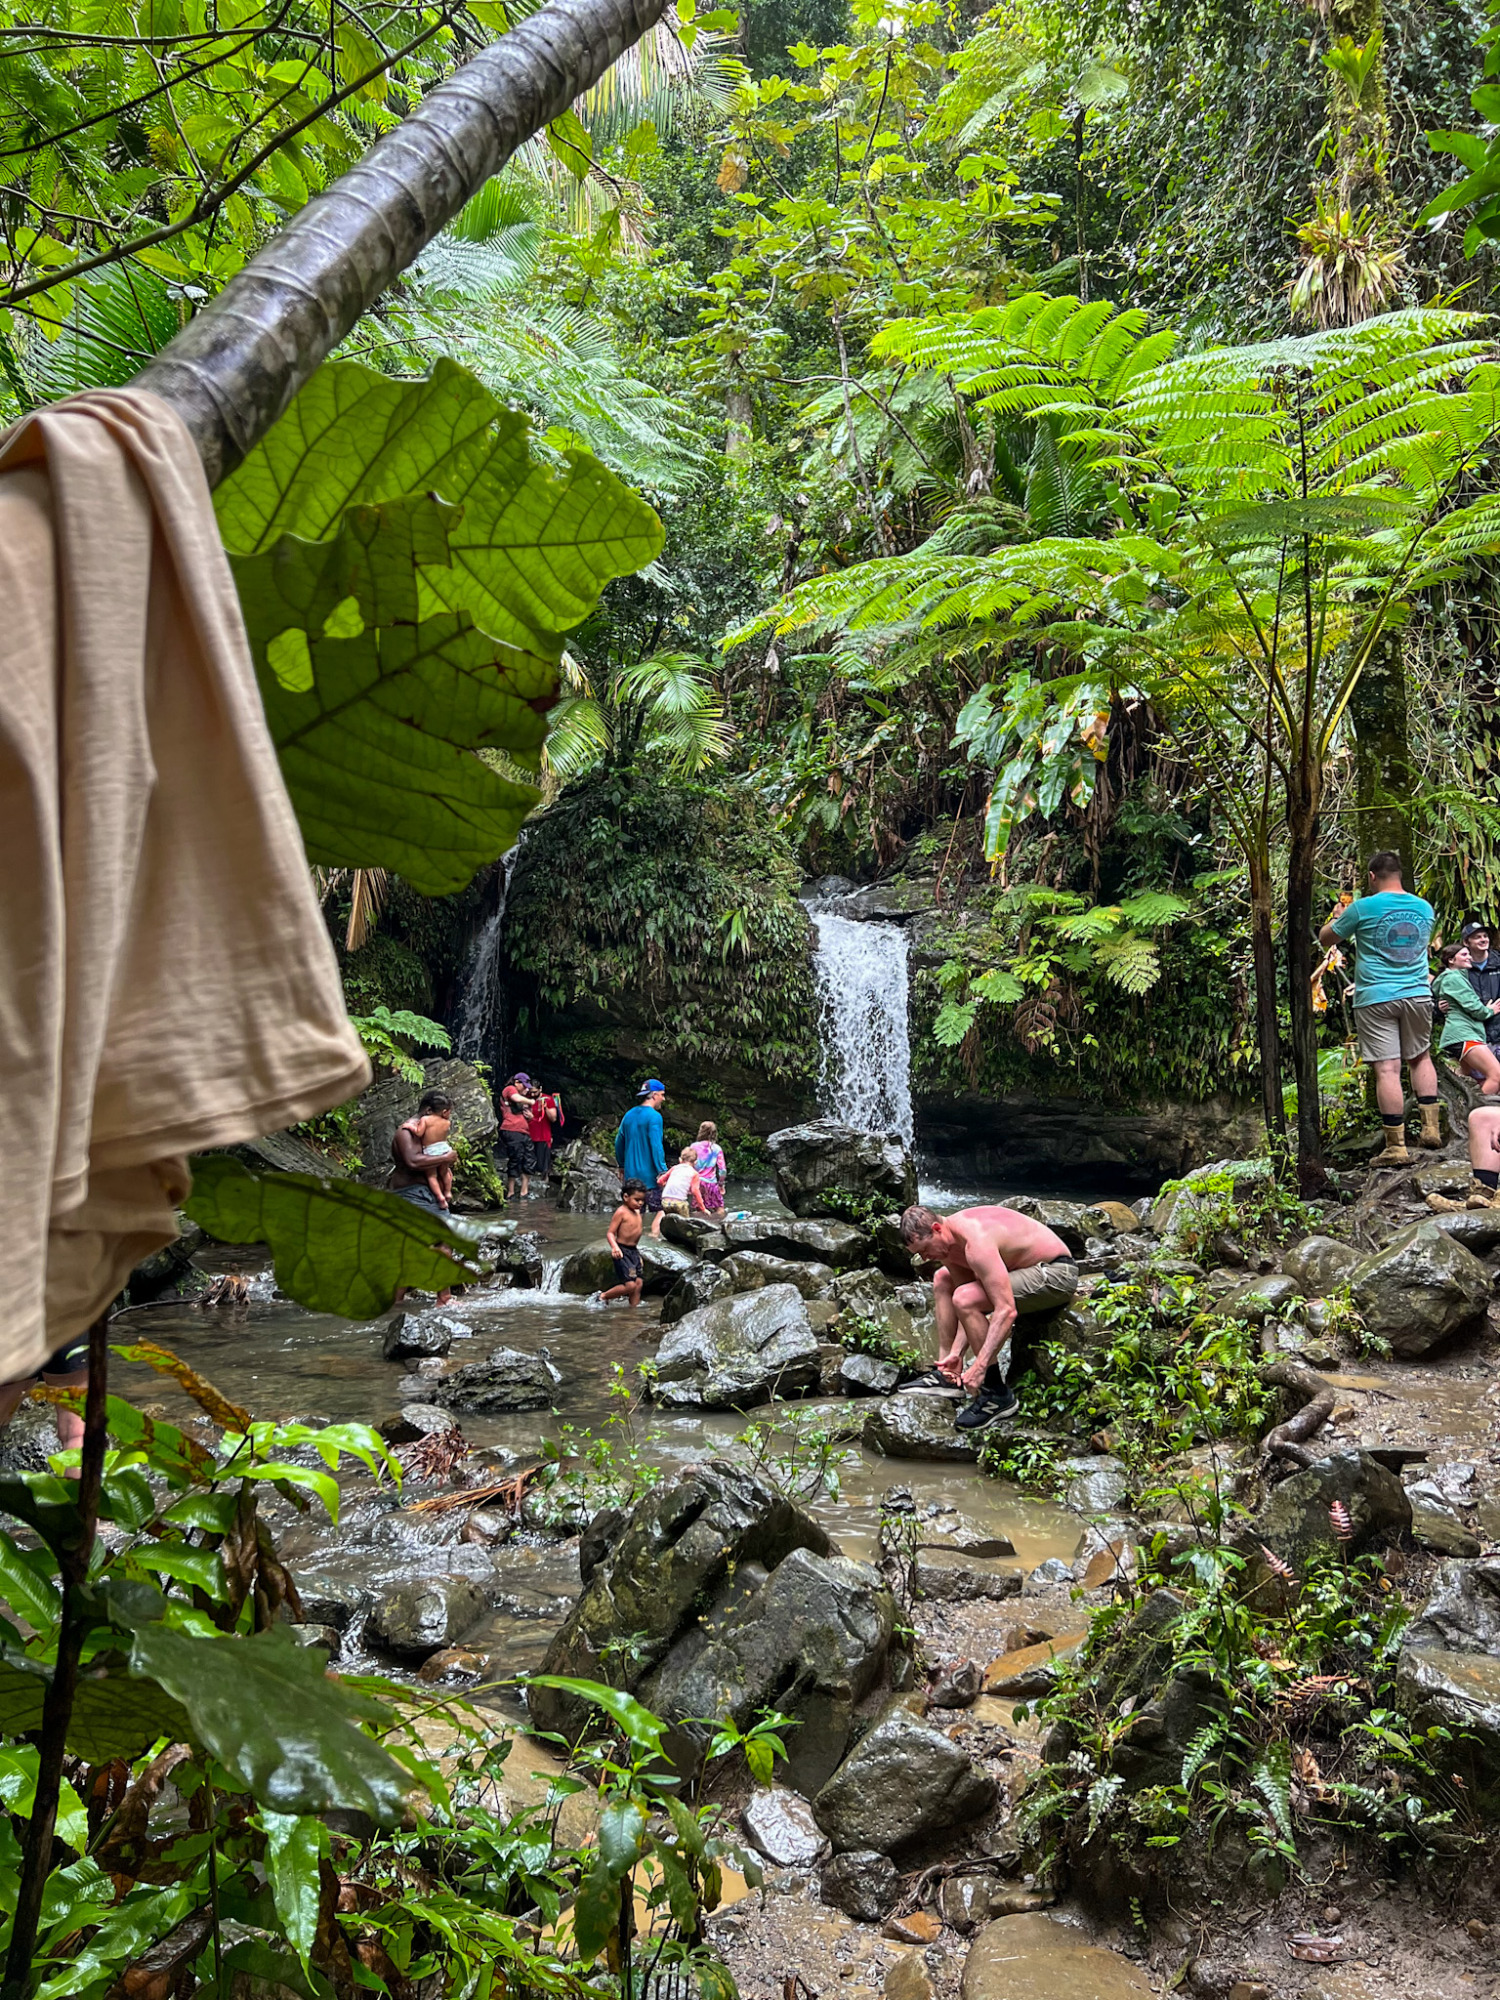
(862, 1022)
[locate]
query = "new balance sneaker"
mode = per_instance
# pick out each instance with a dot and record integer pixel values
(928, 1382)
(990, 1406)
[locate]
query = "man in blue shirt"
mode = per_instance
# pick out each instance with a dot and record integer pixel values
(639, 1149)
(1389, 930)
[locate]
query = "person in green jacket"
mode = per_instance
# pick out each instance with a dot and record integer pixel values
(1465, 1019)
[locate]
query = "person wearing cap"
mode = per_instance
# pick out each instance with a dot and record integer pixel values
(1483, 973)
(515, 1133)
(640, 1145)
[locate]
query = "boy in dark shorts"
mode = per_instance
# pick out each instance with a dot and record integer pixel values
(624, 1239)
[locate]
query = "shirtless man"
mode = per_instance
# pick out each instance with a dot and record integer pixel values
(411, 1169)
(995, 1264)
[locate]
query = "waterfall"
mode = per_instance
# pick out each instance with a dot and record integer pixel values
(476, 1034)
(862, 1022)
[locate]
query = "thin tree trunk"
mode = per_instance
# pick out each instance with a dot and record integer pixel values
(57, 1707)
(232, 371)
(1267, 1019)
(1382, 756)
(1302, 860)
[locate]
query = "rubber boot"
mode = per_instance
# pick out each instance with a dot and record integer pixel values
(1432, 1125)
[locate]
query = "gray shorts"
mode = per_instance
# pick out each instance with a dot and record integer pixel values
(1045, 1287)
(1392, 1030)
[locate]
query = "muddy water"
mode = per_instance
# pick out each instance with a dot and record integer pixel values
(281, 1362)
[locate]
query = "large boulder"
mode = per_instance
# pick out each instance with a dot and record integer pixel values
(590, 1182)
(409, 1335)
(809, 1639)
(1181, 1203)
(1320, 1264)
(684, 1545)
(415, 1619)
(1463, 1612)
(918, 1427)
(863, 1884)
(698, 1233)
(1063, 1218)
(1448, 1670)
(592, 1269)
(507, 1380)
(817, 1239)
(1295, 1522)
(393, 1100)
(664, 1264)
(1421, 1290)
(903, 1781)
(738, 1352)
(1478, 1229)
(822, 1163)
(753, 1270)
(518, 1255)
(698, 1287)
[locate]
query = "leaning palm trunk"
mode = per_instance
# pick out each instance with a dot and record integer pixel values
(234, 369)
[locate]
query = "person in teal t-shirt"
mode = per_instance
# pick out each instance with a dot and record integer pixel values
(640, 1152)
(1389, 930)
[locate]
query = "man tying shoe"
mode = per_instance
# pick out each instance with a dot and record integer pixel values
(1392, 999)
(995, 1265)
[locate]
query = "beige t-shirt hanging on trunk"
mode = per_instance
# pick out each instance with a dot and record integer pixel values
(166, 980)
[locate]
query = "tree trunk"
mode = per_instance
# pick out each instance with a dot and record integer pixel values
(232, 371)
(1382, 766)
(1302, 861)
(1267, 1020)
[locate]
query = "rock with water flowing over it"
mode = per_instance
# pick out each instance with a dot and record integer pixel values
(810, 1639)
(815, 1239)
(1296, 1524)
(391, 1101)
(411, 1334)
(688, 1543)
(695, 1288)
(753, 1270)
(738, 1352)
(518, 1257)
(592, 1269)
(779, 1824)
(507, 1380)
(908, 1426)
(863, 1884)
(1320, 1264)
(823, 1163)
(415, 1619)
(904, 1780)
(1421, 1290)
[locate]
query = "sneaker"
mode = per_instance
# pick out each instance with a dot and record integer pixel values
(928, 1382)
(990, 1406)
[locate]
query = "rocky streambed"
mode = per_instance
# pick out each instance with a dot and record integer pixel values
(910, 1622)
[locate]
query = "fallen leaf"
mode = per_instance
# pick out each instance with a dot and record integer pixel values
(1314, 1950)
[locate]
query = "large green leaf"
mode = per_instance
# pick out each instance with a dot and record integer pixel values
(534, 545)
(114, 1715)
(268, 1710)
(377, 752)
(338, 1247)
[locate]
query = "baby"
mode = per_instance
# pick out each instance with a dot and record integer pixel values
(433, 1130)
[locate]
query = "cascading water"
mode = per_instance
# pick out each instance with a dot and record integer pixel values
(862, 1021)
(477, 1030)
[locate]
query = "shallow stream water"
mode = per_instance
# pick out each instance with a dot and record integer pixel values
(280, 1362)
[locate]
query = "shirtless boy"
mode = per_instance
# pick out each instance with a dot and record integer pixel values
(995, 1264)
(624, 1239)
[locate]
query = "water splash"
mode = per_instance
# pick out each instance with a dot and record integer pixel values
(862, 1022)
(478, 1029)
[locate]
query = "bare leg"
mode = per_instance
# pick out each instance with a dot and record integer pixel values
(630, 1292)
(1423, 1077)
(69, 1422)
(1480, 1063)
(1484, 1139)
(1388, 1093)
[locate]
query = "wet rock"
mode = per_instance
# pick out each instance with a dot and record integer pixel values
(918, 1427)
(508, 1380)
(1177, 1208)
(866, 1375)
(698, 1233)
(1459, 1692)
(1320, 1264)
(412, 1334)
(1073, 1333)
(1264, 1298)
(599, 1538)
(1105, 1554)
(320, 1638)
(779, 1824)
(1295, 1521)
(590, 1183)
(738, 1352)
(1063, 1218)
(1095, 1485)
(861, 1883)
(944, 1527)
(1033, 1957)
(949, 1578)
(908, 1979)
(1168, 1705)
(415, 1619)
(863, 1289)
(1047, 1576)
(1435, 1525)
(695, 1288)
(903, 1781)
(682, 1542)
(919, 1927)
(831, 1358)
(591, 1269)
(824, 1160)
(810, 1639)
(885, 1321)
(753, 1270)
(413, 1421)
(665, 1265)
(1109, 1219)
(890, 1253)
(451, 1663)
(329, 1598)
(957, 1685)
(520, 1259)
(965, 1902)
(838, 1244)
(1421, 1290)
(29, 1439)
(533, 1582)
(1463, 1612)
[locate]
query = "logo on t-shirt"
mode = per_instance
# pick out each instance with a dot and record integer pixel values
(1400, 938)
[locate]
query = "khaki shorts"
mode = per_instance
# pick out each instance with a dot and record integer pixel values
(1394, 1029)
(1045, 1287)
(676, 1208)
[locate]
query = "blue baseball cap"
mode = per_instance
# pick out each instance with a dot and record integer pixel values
(651, 1086)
